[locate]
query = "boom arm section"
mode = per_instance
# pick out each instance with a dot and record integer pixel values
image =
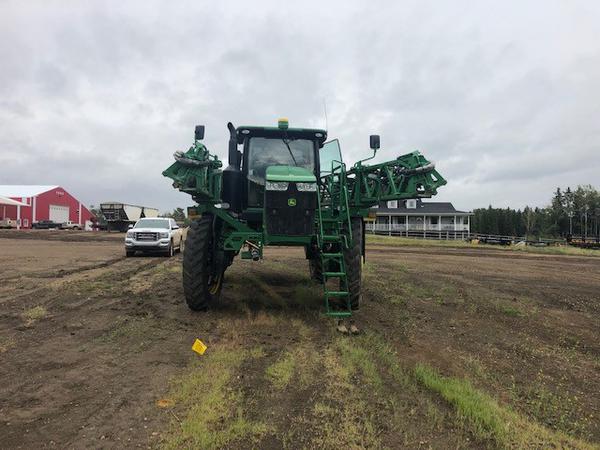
(197, 173)
(408, 176)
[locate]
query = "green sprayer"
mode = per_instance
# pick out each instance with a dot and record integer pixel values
(287, 187)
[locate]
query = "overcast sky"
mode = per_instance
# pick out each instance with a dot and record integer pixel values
(504, 96)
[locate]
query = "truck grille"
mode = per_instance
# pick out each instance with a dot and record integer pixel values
(146, 236)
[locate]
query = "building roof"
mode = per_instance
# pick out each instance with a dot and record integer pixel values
(440, 208)
(24, 190)
(10, 201)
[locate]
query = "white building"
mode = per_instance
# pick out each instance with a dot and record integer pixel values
(410, 217)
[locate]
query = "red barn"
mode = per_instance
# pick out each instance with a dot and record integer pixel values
(42, 203)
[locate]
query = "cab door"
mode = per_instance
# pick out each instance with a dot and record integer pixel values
(330, 157)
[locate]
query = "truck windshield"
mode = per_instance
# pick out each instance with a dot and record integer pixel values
(265, 152)
(152, 223)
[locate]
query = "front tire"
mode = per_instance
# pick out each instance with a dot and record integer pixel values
(201, 286)
(353, 263)
(170, 251)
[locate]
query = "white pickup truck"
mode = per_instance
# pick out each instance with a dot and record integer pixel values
(154, 235)
(70, 226)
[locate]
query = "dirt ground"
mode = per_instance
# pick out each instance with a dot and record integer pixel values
(459, 348)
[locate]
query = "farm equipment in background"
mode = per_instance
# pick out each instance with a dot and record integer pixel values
(120, 215)
(287, 187)
(589, 242)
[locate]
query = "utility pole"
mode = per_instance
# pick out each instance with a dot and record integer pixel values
(585, 215)
(570, 214)
(571, 223)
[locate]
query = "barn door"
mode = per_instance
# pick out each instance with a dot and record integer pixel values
(59, 214)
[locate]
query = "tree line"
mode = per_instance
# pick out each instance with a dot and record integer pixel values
(571, 212)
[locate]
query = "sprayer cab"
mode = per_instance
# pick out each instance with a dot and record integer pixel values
(267, 164)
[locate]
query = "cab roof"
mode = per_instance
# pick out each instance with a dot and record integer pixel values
(276, 132)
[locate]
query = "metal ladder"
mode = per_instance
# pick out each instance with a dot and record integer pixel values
(334, 217)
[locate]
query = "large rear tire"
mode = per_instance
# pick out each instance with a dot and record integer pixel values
(201, 286)
(353, 263)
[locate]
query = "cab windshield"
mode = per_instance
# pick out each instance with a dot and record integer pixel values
(152, 223)
(265, 152)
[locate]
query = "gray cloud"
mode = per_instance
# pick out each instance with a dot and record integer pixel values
(504, 96)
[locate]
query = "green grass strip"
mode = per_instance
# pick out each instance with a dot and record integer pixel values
(488, 420)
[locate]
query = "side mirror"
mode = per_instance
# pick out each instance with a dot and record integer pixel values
(175, 227)
(234, 154)
(199, 132)
(130, 226)
(374, 141)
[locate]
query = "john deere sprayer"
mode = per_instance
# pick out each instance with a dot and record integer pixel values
(288, 187)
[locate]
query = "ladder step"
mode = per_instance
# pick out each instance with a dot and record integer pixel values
(339, 313)
(331, 255)
(331, 238)
(336, 293)
(334, 274)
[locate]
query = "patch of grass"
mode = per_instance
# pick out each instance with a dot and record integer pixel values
(281, 372)
(397, 241)
(476, 411)
(511, 312)
(555, 407)
(399, 285)
(356, 357)
(489, 420)
(480, 411)
(300, 361)
(408, 242)
(214, 414)
(6, 344)
(382, 288)
(136, 329)
(343, 418)
(32, 314)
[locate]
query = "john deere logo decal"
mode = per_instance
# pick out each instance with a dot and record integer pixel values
(291, 202)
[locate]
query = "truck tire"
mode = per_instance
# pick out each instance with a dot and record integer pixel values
(170, 251)
(353, 263)
(200, 285)
(129, 253)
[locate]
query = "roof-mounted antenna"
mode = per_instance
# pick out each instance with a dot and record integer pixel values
(325, 110)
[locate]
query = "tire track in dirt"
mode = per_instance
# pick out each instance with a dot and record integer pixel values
(100, 346)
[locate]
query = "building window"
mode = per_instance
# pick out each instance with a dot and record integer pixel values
(411, 204)
(466, 220)
(25, 222)
(392, 204)
(434, 220)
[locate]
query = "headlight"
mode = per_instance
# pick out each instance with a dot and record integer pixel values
(130, 234)
(307, 187)
(276, 186)
(164, 234)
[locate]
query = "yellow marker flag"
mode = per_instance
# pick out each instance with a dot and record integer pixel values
(199, 347)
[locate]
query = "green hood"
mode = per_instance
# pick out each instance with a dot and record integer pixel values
(290, 174)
